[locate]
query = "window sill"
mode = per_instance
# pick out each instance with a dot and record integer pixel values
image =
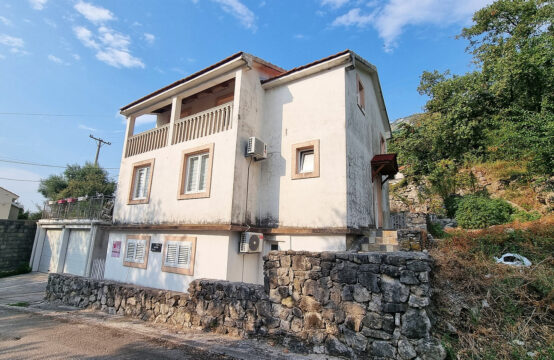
(201, 195)
(135, 265)
(305, 175)
(137, 202)
(177, 270)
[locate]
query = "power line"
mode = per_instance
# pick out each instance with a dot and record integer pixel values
(3, 178)
(45, 165)
(57, 115)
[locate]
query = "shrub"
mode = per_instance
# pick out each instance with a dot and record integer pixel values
(522, 216)
(478, 212)
(451, 204)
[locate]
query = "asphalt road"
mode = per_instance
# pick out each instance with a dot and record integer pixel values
(32, 336)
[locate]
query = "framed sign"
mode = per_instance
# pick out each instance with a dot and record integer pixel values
(116, 249)
(156, 247)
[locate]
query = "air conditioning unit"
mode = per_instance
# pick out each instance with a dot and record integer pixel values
(256, 148)
(251, 242)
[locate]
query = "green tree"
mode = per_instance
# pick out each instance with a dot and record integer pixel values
(77, 181)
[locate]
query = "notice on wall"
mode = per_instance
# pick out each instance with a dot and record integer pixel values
(156, 247)
(116, 249)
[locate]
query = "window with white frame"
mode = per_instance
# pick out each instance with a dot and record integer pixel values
(196, 173)
(179, 254)
(197, 166)
(306, 161)
(136, 251)
(141, 181)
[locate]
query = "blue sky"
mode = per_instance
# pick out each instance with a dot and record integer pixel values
(77, 62)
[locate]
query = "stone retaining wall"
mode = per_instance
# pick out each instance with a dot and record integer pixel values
(357, 305)
(16, 243)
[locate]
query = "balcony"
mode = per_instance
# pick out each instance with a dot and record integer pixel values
(90, 208)
(204, 123)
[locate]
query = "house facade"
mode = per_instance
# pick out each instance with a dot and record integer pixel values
(188, 191)
(9, 208)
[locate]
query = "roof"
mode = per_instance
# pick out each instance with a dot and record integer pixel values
(8, 191)
(385, 164)
(313, 63)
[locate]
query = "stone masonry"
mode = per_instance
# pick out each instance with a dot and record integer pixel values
(16, 243)
(355, 305)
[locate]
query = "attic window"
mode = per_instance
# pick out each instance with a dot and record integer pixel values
(305, 161)
(361, 93)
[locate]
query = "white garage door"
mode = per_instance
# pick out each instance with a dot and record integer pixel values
(51, 246)
(77, 252)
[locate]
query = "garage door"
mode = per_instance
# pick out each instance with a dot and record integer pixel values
(77, 252)
(50, 246)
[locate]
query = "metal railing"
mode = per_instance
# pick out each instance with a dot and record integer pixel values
(93, 208)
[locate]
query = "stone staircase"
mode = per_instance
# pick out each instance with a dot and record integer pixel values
(380, 240)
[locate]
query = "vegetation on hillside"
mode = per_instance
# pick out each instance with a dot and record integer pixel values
(77, 181)
(486, 310)
(502, 112)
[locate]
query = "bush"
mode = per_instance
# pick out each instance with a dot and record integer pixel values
(451, 204)
(522, 216)
(478, 212)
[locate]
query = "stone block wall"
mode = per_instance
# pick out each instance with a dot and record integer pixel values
(16, 243)
(357, 305)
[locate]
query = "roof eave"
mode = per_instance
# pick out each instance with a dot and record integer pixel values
(196, 79)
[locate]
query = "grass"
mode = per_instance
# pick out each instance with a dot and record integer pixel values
(20, 304)
(492, 311)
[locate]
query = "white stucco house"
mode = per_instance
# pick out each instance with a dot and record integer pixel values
(9, 207)
(247, 157)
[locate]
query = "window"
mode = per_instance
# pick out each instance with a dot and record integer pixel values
(139, 192)
(305, 161)
(361, 93)
(136, 251)
(179, 253)
(196, 173)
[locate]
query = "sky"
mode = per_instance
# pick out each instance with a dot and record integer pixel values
(67, 66)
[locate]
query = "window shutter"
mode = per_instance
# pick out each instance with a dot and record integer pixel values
(171, 254)
(131, 250)
(141, 181)
(184, 255)
(192, 174)
(139, 255)
(203, 167)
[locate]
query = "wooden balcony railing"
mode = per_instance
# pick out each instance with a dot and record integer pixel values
(147, 141)
(204, 123)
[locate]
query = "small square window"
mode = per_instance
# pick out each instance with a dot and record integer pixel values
(305, 161)
(178, 256)
(136, 251)
(196, 173)
(274, 247)
(141, 181)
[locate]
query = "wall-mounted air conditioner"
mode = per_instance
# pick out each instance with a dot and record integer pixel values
(251, 242)
(256, 148)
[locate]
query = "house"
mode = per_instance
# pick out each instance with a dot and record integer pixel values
(9, 207)
(192, 202)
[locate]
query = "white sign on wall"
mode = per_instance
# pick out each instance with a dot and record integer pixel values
(116, 249)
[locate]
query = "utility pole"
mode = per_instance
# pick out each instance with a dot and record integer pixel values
(100, 142)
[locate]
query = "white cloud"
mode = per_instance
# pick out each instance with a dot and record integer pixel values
(11, 41)
(84, 127)
(86, 37)
(334, 3)
(239, 11)
(145, 119)
(353, 18)
(5, 21)
(51, 23)
(57, 60)
(37, 4)
(2, 57)
(76, 57)
(150, 38)
(94, 14)
(392, 17)
(118, 58)
(112, 47)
